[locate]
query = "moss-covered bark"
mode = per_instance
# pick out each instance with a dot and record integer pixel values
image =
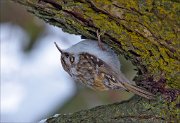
(145, 32)
(136, 110)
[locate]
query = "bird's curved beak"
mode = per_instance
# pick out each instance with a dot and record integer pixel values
(58, 48)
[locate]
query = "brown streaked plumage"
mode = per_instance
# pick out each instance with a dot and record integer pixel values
(98, 83)
(98, 69)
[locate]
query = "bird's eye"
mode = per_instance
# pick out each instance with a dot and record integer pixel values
(66, 54)
(71, 59)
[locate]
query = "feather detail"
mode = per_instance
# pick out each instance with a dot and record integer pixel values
(118, 80)
(96, 68)
(137, 90)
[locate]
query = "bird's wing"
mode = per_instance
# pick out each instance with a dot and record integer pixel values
(118, 80)
(109, 79)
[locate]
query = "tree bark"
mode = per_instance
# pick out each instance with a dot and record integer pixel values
(145, 32)
(114, 113)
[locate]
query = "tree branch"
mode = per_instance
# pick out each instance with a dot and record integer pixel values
(145, 32)
(134, 110)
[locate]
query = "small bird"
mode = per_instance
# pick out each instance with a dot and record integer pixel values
(97, 66)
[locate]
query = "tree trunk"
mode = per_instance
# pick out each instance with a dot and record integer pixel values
(145, 32)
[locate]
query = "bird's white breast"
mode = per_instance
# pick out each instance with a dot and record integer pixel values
(92, 47)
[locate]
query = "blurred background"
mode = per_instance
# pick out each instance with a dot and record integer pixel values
(33, 84)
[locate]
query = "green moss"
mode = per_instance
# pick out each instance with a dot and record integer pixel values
(143, 30)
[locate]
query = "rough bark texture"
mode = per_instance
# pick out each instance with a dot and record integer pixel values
(145, 32)
(114, 113)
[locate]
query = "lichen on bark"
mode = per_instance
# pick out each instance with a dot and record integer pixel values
(145, 32)
(135, 110)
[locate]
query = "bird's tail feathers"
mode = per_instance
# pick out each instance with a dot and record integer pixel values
(137, 90)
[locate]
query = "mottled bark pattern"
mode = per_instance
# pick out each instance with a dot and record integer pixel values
(145, 32)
